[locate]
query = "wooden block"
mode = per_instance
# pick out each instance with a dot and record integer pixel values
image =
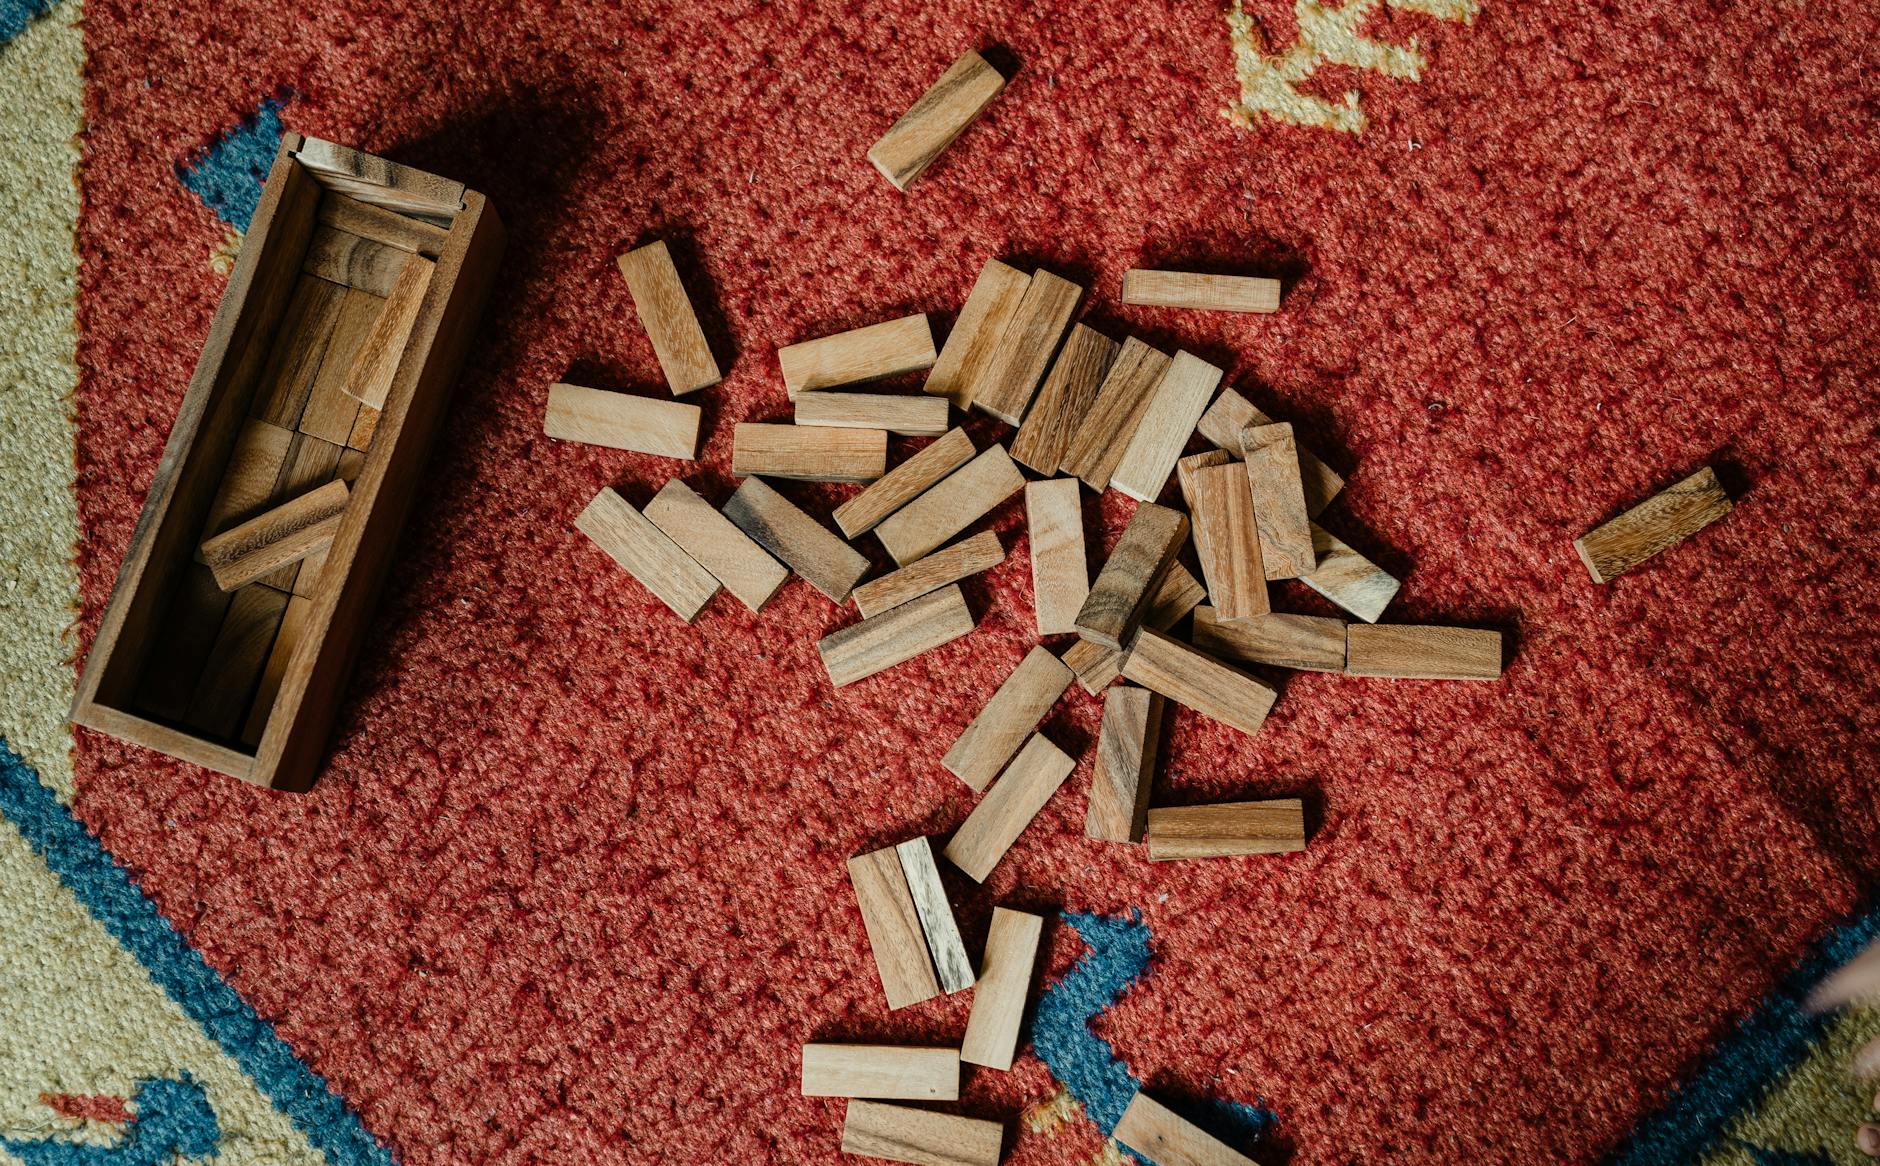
(666, 314)
(975, 338)
(219, 705)
(995, 735)
(1167, 424)
(1068, 393)
(379, 181)
(331, 411)
(294, 358)
(376, 365)
(809, 453)
(893, 927)
(1207, 293)
(1014, 800)
(930, 573)
(1279, 501)
(1098, 442)
(248, 483)
(1412, 652)
(621, 421)
(860, 354)
(1026, 349)
(930, 125)
(363, 428)
(920, 1136)
(827, 563)
(744, 568)
(936, 918)
(286, 534)
(1232, 414)
(1349, 579)
(631, 539)
(1227, 526)
(1005, 977)
(1060, 576)
(1121, 593)
(1164, 1137)
(915, 416)
(904, 483)
(1227, 829)
(896, 635)
(1163, 664)
(1305, 643)
(351, 463)
(280, 654)
(311, 463)
(1125, 767)
(352, 261)
(181, 643)
(1176, 594)
(1185, 470)
(961, 499)
(1660, 522)
(902, 1071)
(345, 213)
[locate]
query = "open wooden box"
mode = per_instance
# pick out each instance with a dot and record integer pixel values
(247, 681)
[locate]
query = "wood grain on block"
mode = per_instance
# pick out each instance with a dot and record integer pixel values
(1060, 575)
(331, 411)
(1660, 522)
(804, 545)
(1161, 1135)
(180, 644)
(809, 453)
(931, 123)
(1005, 977)
(630, 539)
(734, 559)
(1185, 470)
(1124, 773)
(1002, 727)
(1227, 525)
(907, 1072)
(373, 369)
(1232, 414)
(274, 538)
(975, 338)
(1120, 596)
(1347, 578)
(1422, 652)
(899, 1133)
(893, 926)
(896, 635)
(1176, 594)
(621, 421)
(1069, 390)
(344, 213)
(299, 347)
(379, 181)
(969, 556)
(237, 659)
(1096, 446)
(904, 482)
(1305, 643)
(1227, 829)
(363, 428)
(936, 916)
(253, 471)
(860, 354)
(909, 416)
(666, 313)
(286, 640)
(1014, 800)
(311, 463)
(955, 503)
(1208, 293)
(1164, 664)
(1026, 349)
(1279, 501)
(353, 261)
(1167, 424)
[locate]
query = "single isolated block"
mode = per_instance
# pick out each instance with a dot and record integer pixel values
(630, 539)
(1125, 769)
(666, 313)
(1657, 524)
(1002, 815)
(996, 734)
(896, 635)
(1208, 293)
(1227, 829)
(860, 354)
(1004, 982)
(900, 1133)
(906, 1072)
(930, 125)
(621, 421)
(1166, 1138)
(1407, 652)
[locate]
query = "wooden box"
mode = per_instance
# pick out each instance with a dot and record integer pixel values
(247, 682)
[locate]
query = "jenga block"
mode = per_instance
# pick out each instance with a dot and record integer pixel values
(1232, 414)
(930, 573)
(331, 411)
(1176, 594)
(351, 462)
(915, 416)
(904, 483)
(631, 539)
(921, 1137)
(975, 338)
(1412, 652)
(370, 376)
(901, 1071)
(1014, 800)
(352, 261)
(734, 559)
(1026, 349)
(1185, 471)
(936, 915)
(809, 453)
(1060, 578)
(1121, 593)
(622, 421)
(1279, 500)
(286, 534)
(1069, 390)
(363, 428)
(827, 563)
(995, 735)
(860, 354)
(1347, 578)
(1305, 643)
(253, 470)
(931, 124)
(1097, 444)
(1163, 664)
(1124, 774)
(1164, 1137)
(963, 498)
(898, 634)
(219, 705)
(666, 313)
(1226, 524)
(1660, 522)
(347, 214)
(1004, 981)
(311, 463)
(280, 654)
(1166, 426)
(1226, 829)
(1207, 293)
(294, 359)
(893, 927)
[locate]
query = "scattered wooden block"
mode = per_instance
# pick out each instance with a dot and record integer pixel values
(1176, 594)
(970, 347)
(1121, 593)
(902, 1071)
(1279, 500)
(1125, 768)
(380, 182)
(1227, 829)
(733, 558)
(1657, 524)
(1185, 470)
(809, 453)
(286, 641)
(237, 659)
(363, 428)
(1026, 349)
(369, 378)
(620, 421)
(1014, 800)
(929, 127)
(352, 261)
(860, 354)
(961, 499)
(1004, 981)
(893, 926)
(1163, 664)
(1226, 524)
(293, 361)
(1166, 426)
(631, 539)
(347, 214)
(995, 735)
(666, 313)
(1305, 643)
(1097, 444)
(920, 1136)
(248, 483)
(930, 573)
(1060, 577)
(896, 635)
(331, 411)
(916, 416)
(1349, 579)
(1160, 1134)
(286, 534)
(1411, 652)
(1232, 414)
(827, 563)
(904, 483)
(936, 922)
(1207, 293)
(1069, 391)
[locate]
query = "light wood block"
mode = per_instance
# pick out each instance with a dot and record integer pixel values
(809, 453)
(908, 1072)
(904, 483)
(1068, 393)
(1166, 426)
(930, 125)
(1226, 524)
(286, 641)
(827, 563)
(1349, 579)
(930, 573)
(1060, 576)
(1227, 829)
(893, 926)
(1176, 594)
(921, 1137)
(915, 416)
(237, 659)
(1165, 665)
(331, 411)
(1121, 593)
(860, 354)
(379, 181)
(733, 557)
(1168, 1139)
(936, 918)
(1097, 444)
(248, 484)
(286, 534)
(621, 421)
(961, 499)
(363, 428)
(1304, 643)
(1185, 470)
(1026, 349)
(896, 635)
(1005, 977)
(1279, 501)
(375, 366)
(1002, 727)
(1207, 293)
(1413, 652)
(975, 338)
(1232, 414)
(666, 313)
(630, 539)
(352, 261)
(1014, 800)
(1125, 767)
(345, 213)
(294, 359)
(1657, 524)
